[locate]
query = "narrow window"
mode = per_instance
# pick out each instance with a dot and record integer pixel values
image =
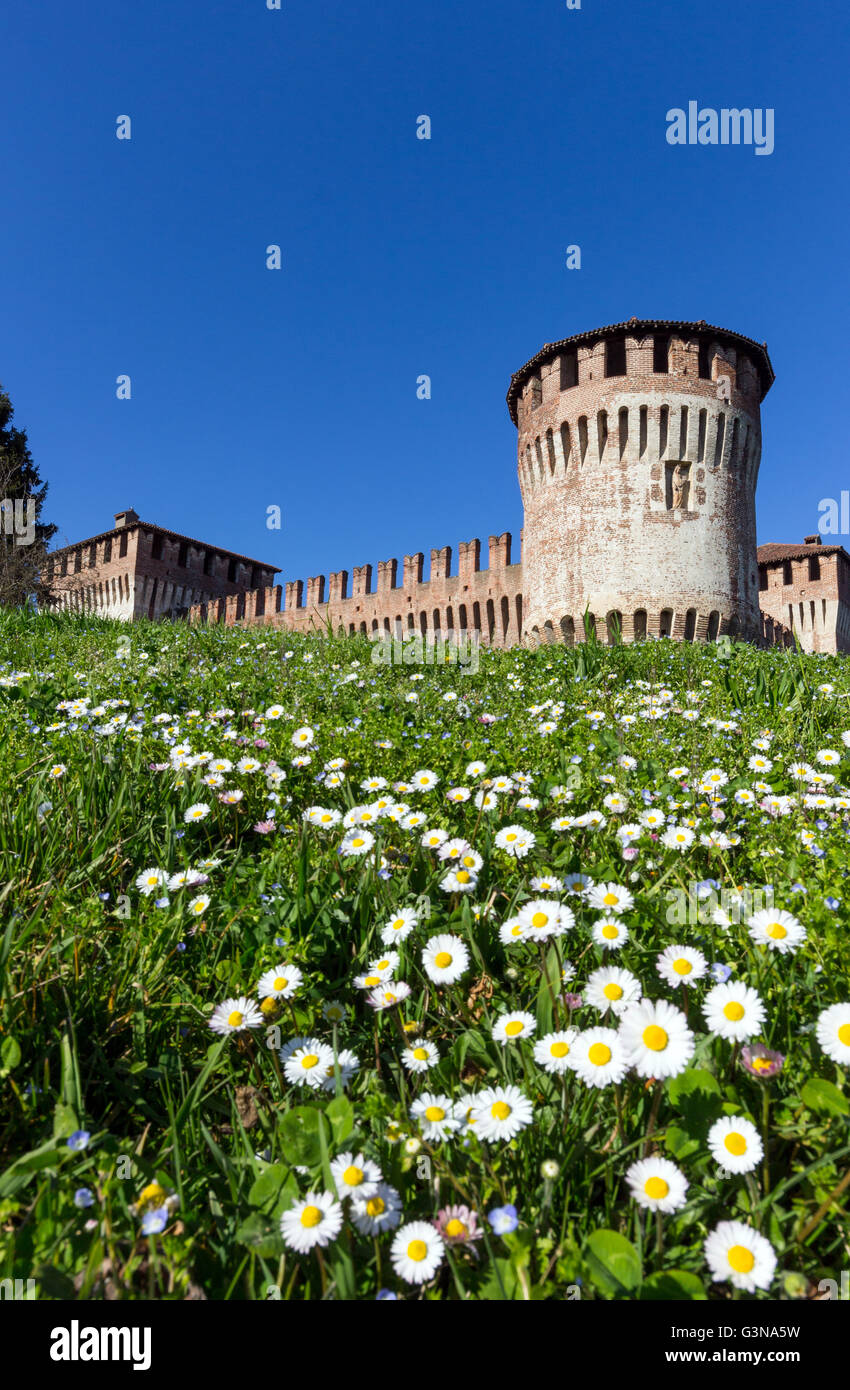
(762, 577)
(122, 545)
(602, 430)
(566, 443)
(640, 624)
(662, 429)
(208, 562)
(690, 624)
(704, 363)
(703, 419)
(536, 392)
(183, 555)
(624, 431)
(787, 572)
(665, 626)
(713, 625)
(156, 547)
(644, 428)
(660, 350)
(107, 551)
(615, 357)
(582, 436)
(231, 571)
(550, 449)
(569, 369)
(814, 567)
(683, 433)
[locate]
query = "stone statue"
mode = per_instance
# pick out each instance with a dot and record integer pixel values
(680, 482)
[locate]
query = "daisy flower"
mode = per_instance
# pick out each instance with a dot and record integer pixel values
(314, 1220)
(421, 1057)
(434, 1115)
(512, 1027)
(779, 931)
(305, 1061)
(199, 811)
(500, 1112)
(303, 737)
(658, 1184)
(609, 897)
(833, 1032)
(347, 1064)
(388, 994)
(679, 837)
(357, 842)
(740, 1255)
(612, 988)
(735, 1144)
(417, 1252)
(553, 1052)
(150, 880)
(459, 881)
(733, 1011)
(279, 983)
(235, 1015)
(515, 841)
(199, 905)
(399, 927)
(355, 1176)
(610, 933)
(656, 1039)
(543, 918)
(445, 959)
(599, 1059)
(457, 1225)
(378, 1213)
(680, 965)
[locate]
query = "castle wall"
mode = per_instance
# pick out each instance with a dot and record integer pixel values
(816, 610)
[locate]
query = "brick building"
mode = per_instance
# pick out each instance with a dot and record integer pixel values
(138, 570)
(639, 447)
(807, 588)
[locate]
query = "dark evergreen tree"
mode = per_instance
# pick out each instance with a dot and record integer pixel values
(24, 537)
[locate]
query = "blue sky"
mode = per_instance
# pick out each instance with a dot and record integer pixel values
(297, 388)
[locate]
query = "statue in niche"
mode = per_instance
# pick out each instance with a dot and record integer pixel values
(680, 485)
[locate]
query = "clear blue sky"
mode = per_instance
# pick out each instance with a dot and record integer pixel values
(298, 388)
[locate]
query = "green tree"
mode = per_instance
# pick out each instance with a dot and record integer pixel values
(24, 537)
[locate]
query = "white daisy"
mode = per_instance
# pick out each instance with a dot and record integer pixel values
(314, 1220)
(445, 959)
(779, 931)
(833, 1032)
(388, 994)
(305, 1064)
(378, 1213)
(434, 1115)
(543, 917)
(599, 1059)
(500, 1112)
(610, 934)
(235, 1015)
(553, 1052)
(512, 1027)
(740, 1255)
(735, 1144)
(399, 927)
(681, 965)
(733, 1011)
(355, 1176)
(421, 1057)
(658, 1184)
(417, 1252)
(609, 898)
(612, 988)
(656, 1039)
(279, 983)
(199, 811)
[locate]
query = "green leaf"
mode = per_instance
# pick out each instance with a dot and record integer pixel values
(614, 1263)
(824, 1097)
(299, 1136)
(64, 1121)
(10, 1054)
(261, 1235)
(695, 1079)
(673, 1284)
(270, 1187)
(340, 1113)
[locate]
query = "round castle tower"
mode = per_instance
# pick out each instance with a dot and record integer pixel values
(639, 449)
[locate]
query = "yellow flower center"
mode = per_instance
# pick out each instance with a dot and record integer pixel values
(610, 932)
(435, 1113)
(421, 1054)
(417, 1250)
(540, 919)
(398, 924)
(153, 1193)
(311, 1216)
(309, 1061)
(612, 991)
(500, 1110)
(513, 1028)
(456, 1228)
(376, 1206)
(373, 979)
(682, 966)
(281, 982)
(777, 931)
(382, 965)
(656, 1188)
(610, 899)
(844, 1034)
(235, 1019)
(741, 1259)
(733, 1011)
(356, 843)
(655, 1038)
(559, 1049)
(442, 959)
(735, 1143)
(462, 876)
(353, 1177)
(599, 1055)
(507, 837)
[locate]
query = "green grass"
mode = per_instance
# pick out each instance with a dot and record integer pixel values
(105, 1000)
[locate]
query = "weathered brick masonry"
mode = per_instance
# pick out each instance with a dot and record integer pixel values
(639, 447)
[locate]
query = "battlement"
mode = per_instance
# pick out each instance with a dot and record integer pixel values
(488, 601)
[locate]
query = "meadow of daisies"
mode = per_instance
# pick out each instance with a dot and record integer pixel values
(328, 979)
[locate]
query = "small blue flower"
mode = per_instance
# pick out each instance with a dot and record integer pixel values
(181, 945)
(154, 1221)
(161, 902)
(79, 1139)
(384, 1294)
(832, 903)
(797, 888)
(104, 897)
(503, 1220)
(83, 1197)
(720, 972)
(821, 824)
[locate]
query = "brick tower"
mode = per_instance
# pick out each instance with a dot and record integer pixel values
(639, 449)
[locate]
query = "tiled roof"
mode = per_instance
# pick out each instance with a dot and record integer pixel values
(174, 535)
(642, 326)
(774, 551)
